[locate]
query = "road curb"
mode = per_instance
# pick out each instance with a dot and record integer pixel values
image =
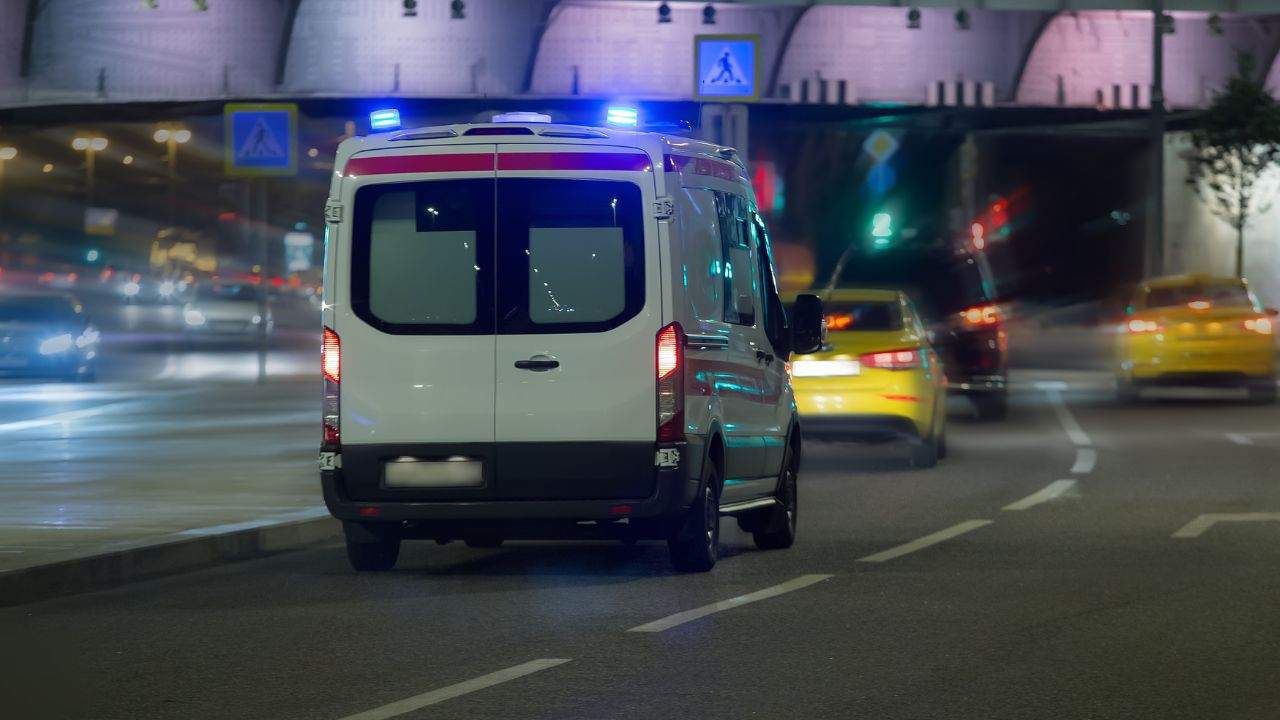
(172, 554)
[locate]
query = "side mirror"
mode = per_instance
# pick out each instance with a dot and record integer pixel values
(807, 328)
(746, 309)
(1272, 312)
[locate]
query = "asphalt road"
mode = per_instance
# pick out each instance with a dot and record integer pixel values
(1082, 603)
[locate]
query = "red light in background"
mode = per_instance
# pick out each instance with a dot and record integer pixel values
(370, 511)
(277, 281)
(228, 216)
(839, 321)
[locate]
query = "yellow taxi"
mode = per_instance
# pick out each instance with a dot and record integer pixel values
(1197, 330)
(877, 378)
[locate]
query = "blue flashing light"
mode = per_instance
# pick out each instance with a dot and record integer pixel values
(385, 119)
(620, 116)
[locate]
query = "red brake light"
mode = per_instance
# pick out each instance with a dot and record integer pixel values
(981, 316)
(903, 359)
(839, 321)
(669, 373)
(331, 357)
(1143, 326)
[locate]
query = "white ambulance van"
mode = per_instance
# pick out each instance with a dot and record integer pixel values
(538, 330)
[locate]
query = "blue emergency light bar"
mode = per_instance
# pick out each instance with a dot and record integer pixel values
(385, 119)
(620, 116)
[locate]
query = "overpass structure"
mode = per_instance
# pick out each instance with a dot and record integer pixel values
(1054, 53)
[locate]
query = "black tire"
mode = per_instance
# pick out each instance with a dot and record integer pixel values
(484, 541)
(372, 549)
(1126, 391)
(994, 406)
(777, 530)
(695, 545)
(924, 453)
(1263, 392)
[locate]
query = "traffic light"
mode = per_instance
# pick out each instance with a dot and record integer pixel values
(881, 230)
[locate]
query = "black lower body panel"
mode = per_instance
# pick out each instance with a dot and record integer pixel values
(525, 486)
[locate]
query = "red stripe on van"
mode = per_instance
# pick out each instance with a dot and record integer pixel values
(574, 161)
(701, 166)
(396, 164)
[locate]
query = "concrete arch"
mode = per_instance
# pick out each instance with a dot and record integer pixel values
(120, 49)
(13, 19)
(354, 48)
(886, 62)
(620, 49)
(1091, 51)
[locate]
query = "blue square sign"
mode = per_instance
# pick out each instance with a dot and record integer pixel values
(260, 139)
(726, 67)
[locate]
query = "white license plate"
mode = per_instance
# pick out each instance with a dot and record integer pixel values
(825, 368)
(458, 472)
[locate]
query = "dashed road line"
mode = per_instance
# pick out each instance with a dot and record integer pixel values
(1049, 492)
(417, 702)
(1240, 438)
(681, 618)
(926, 541)
(1086, 460)
(1069, 424)
(1197, 527)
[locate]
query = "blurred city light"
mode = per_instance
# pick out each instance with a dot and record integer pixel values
(881, 225)
(182, 136)
(92, 255)
(127, 159)
(8, 152)
(48, 168)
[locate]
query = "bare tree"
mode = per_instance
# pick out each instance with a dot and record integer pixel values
(1233, 150)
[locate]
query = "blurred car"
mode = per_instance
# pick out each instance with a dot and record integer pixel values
(877, 378)
(225, 310)
(46, 335)
(1197, 330)
(954, 290)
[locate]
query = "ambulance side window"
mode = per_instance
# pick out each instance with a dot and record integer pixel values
(739, 271)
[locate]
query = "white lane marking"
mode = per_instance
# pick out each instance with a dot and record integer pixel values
(72, 415)
(1239, 438)
(306, 514)
(62, 417)
(1086, 459)
(1197, 527)
(680, 618)
(1049, 492)
(434, 697)
(926, 541)
(1069, 424)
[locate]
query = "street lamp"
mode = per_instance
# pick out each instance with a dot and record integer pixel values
(171, 138)
(90, 146)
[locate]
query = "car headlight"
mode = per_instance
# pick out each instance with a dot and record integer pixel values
(56, 344)
(193, 317)
(87, 338)
(130, 289)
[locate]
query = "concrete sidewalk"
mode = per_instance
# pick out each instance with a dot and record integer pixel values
(104, 470)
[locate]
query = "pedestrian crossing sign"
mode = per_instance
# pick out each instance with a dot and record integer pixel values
(260, 139)
(726, 67)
